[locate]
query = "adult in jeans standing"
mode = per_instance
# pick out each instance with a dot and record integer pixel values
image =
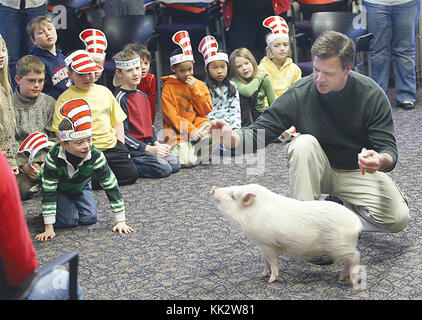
(393, 24)
(14, 16)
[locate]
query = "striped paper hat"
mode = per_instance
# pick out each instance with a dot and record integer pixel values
(81, 62)
(95, 43)
(278, 27)
(34, 143)
(79, 114)
(209, 49)
(182, 39)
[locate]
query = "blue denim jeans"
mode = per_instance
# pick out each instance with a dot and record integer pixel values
(394, 30)
(13, 29)
(74, 211)
(151, 166)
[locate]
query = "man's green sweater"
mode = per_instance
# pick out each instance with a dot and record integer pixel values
(344, 122)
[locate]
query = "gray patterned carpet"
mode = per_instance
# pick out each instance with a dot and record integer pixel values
(184, 249)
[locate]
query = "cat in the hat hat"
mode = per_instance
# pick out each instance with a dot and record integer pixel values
(224, 93)
(181, 59)
(96, 44)
(66, 178)
(277, 63)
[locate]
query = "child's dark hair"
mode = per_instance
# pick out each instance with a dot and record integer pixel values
(178, 50)
(65, 124)
(211, 83)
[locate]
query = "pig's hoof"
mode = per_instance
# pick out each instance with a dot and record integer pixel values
(272, 279)
(344, 278)
(266, 273)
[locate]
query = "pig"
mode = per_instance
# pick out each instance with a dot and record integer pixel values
(305, 229)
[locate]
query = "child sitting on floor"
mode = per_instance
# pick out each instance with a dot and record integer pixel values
(34, 113)
(68, 200)
(255, 88)
(148, 84)
(7, 116)
(277, 64)
(152, 159)
(224, 93)
(186, 102)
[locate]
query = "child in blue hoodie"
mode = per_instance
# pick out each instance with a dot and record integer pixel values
(43, 35)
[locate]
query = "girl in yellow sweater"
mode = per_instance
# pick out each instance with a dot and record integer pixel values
(281, 69)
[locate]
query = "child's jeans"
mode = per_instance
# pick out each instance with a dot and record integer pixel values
(74, 211)
(152, 166)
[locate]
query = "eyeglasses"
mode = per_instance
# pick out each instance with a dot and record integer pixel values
(35, 81)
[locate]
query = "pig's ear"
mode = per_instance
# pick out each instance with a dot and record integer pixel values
(248, 199)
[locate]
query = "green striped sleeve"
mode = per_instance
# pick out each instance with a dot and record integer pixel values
(50, 163)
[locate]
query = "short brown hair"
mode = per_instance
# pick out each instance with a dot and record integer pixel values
(243, 53)
(65, 124)
(36, 23)
(332, 43)
(140, 49)
(29, 63)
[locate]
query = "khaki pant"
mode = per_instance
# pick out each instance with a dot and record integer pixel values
(191, 153)
(25, 184)
(311, 174)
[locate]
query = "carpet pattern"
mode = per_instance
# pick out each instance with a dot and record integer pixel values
(183, 248)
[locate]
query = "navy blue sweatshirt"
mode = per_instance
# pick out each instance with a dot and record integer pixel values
(56, 79)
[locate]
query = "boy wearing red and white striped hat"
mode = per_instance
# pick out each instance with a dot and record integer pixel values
(107, 116)
(95, 43)
(185, 103)
(68, 200)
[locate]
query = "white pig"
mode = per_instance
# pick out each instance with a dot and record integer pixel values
(306, 229)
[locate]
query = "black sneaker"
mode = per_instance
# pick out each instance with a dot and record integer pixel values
(406, 105)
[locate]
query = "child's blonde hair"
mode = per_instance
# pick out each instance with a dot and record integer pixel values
(36, 23)
(268, 51)
(28, 64)
(6, 89)
(242, 53)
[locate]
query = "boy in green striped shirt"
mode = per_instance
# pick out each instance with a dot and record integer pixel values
(68, 199)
